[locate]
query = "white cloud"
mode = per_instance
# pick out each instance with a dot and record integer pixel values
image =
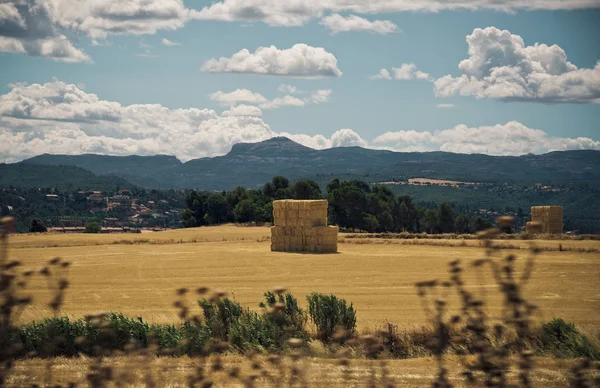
(249, 97)
(27, 28)
(243, 110)
(300, 60)
(512, 138)
(406, 71)
(288, 89)
(297, 13)
(281, 102)
(501, 66)
(40, 27)
(445, 106)
(340, 138)
(238, 95)
(383, 74)
(337, 23)
(319, 96)
(99, 18)
(63, 118)
(167, 42)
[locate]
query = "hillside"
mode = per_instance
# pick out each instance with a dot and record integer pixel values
(23, 175)
(252, 164)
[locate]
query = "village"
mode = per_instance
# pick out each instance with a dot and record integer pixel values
(123, 211)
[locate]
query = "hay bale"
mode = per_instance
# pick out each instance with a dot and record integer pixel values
(549, 217)
(301, 226)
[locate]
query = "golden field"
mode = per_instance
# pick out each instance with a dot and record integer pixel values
(137, 274)
(319, 372)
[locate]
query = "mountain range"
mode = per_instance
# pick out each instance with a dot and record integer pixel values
(252, 164)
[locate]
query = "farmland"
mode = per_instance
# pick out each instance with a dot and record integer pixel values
(138, 274)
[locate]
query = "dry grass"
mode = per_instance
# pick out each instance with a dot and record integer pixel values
(140, 279)
(195, 235)
(171, 372)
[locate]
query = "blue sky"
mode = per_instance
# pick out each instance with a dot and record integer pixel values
(137, 95)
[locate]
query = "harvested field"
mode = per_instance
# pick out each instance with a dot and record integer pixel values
(165, 371)
(139, 277)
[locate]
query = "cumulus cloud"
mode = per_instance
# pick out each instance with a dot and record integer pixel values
(383, 74)
(282, 101)
(512, 138)
(501, 66)
(319, 96)
(288, 89)
(406, 71)
(341, 138)
(63, 118)
(297, 13)
(39, 27)
(337, 23)
(167, 42)
(238, 95)
(99, 18)
(301, 60)
(252, 98)
(27, 27)
(243, 110)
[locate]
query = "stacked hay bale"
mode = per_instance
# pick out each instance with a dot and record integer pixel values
(301, 226)
(550, 218)
(534, 227)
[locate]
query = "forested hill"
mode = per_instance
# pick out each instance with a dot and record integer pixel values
(21, 175)
(250, 165)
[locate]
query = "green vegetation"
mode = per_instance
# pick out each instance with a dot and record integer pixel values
(353, 205)
(330, 313)
(37, 226)
(63, 177)
(92, 227)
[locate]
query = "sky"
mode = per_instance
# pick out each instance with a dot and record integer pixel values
(192, 78)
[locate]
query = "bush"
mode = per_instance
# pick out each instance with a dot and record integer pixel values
(37, 226)
(220, 315)
(92, 227)
(329, 313)
(562, 339)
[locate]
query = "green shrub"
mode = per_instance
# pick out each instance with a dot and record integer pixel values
(329, 313)
(92, 227)
(37, 226)
(562, 339)
(196, 338)
(280, 320)
(166, 337)
(220, 315)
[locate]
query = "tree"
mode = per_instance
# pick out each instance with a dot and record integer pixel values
(479, 223)
(4, 211)
(370, 223)
(446, 218)
(269, 190)
(92, 227)
(306, 189)
(245, 211)
(280, 182)
(37, 226)
(216, 209)
(189, 221)
(461, 224)
(430, 221)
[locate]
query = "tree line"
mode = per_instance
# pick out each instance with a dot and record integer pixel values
(353, 205)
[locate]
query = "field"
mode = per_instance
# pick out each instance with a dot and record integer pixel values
(138, 274)
(169, 372)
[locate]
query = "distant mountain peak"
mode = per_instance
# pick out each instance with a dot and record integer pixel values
(274, 145)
